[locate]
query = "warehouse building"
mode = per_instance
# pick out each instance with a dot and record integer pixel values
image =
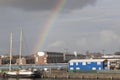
(113, 64)
(48, 57)
(68, 57)
(93, 64)
(55, 57)
(87, 64)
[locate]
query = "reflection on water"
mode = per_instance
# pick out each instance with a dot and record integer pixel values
(19, 79)
(39, 79)
(50, 79)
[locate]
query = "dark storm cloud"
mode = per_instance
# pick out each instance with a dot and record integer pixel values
(73, 4)
(45, 4)
(30, 4)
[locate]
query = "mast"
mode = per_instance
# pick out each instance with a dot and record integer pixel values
(10, 50)
(20, 61)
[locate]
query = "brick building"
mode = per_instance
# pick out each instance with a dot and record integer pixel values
(23, 61)
(48, 57)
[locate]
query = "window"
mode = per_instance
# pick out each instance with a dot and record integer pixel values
(71, 64)
(36, 59)
(76, 63)
(99, 68)
(98, 63)
(88, 62)
(71, 68)
(84, 63)
(45, 61)
(77, 68)
(94, 68)
(45, 58)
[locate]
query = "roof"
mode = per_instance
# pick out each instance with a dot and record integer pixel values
(111, 56)
(87, 60)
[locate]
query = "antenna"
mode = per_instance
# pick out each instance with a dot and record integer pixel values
(75, 53)
(20, 61)
(103, 51)
(64, 55)
(10, 50)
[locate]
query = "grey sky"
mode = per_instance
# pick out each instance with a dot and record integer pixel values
(80, 26)
(44, 4)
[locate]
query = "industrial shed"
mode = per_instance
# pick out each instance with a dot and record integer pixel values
(87, 64)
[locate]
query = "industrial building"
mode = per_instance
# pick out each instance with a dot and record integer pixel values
(111, 56)
(55, 57)
(87, 64)
(93, 64)
(23, 61)
(48, 57)
(68, 57)
(113, 64)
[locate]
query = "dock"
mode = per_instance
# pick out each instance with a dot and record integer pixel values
(80, 75)
(63, 74)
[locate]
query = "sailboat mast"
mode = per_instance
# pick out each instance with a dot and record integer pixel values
(10, 50)
(20, 61)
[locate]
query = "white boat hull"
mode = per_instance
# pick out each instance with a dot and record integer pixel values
(23, 74)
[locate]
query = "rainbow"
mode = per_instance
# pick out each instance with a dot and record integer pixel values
(49, 24)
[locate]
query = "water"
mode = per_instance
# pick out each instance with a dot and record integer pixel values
(37, 79)
(50, 79)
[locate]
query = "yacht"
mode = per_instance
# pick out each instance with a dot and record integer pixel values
(21, 73)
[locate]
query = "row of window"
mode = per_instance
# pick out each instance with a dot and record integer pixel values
(78, 68)
(84, 63)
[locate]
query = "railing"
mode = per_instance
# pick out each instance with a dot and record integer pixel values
(40, 66)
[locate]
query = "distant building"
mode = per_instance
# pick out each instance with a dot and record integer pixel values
(40, 58)
(73, 56)
(48, 57)
(55, 57)
(113, 64)
(30, 59)
(23, 61)
(111, 56)
(93, 64)
(87, 64)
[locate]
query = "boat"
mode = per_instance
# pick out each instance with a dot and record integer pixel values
(21, 73)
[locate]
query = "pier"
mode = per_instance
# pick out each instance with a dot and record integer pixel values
(63, 74)
(55, 74)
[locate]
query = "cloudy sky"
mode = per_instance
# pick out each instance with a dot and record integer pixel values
(81, 25)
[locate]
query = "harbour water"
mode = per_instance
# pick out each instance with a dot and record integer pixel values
(50, 79)
(34, 79)
(58, 79)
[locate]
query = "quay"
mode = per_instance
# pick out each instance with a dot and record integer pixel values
(63, 74)
(71, 70)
